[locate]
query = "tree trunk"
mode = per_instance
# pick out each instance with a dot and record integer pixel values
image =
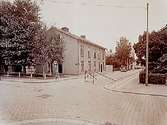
(24, 69)
(50, 69)
(19, 74)
(31, 75)
(43, 69)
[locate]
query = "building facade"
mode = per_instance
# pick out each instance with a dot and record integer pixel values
(80, 54)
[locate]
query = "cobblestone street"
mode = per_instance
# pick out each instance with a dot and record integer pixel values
(75, 99)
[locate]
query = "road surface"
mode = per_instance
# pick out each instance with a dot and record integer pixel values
(77, 99)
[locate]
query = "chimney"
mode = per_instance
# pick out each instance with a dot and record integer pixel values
(83, 36)
(66, 29)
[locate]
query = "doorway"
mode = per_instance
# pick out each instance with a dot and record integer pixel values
(101, 68)
(60, 68)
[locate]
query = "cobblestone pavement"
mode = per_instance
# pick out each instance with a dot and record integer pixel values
(79, 100)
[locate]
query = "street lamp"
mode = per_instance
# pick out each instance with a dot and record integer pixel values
(147, 40)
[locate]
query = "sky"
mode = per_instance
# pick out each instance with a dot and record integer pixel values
(105, 21)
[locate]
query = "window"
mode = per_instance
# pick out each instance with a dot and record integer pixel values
(99, 56)
(95, 55)
(89, 54)
(94, 66)
(103, 66)
(99, 66)
(94, 63)
(89, 66)
(103, 56)
(82, 66)
(82, 51)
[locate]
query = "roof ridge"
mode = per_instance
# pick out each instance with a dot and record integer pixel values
(79, 38)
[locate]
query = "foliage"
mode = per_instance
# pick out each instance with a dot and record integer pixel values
(112, 60)
(163, 59)
(48, 47)
(19, 24)
(123, 55)
(155, 78)
(157, 49)
(123, 51)
(40, 48)
(56, 46)
(161, 67)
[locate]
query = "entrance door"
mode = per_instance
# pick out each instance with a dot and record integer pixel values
(60, 68)
(101, 68)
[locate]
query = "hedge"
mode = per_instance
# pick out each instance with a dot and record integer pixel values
(153, 78)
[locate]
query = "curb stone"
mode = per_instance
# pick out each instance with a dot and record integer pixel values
(38, 81)
(54, 121)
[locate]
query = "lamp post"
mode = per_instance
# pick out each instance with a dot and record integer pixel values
(147, 40)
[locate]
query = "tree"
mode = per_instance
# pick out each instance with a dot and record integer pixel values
(5, 32)
(40, 50)
(48, 48)
(112, 60)
(157, 47)
(56, 47)
(123, 51)
(123, 55)
(19, 25)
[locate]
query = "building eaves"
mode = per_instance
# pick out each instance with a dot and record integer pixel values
(79, 38)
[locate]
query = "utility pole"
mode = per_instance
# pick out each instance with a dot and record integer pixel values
(147, 53)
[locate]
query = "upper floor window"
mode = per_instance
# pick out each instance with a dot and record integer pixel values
(94, 63)
(95, 55)
(103, 66)
(89, 66)
(99, 55)
(82, 66)
(94, 66)
(89, 54)
(82, 51)
(103, 56)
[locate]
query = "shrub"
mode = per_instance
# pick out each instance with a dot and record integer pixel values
(18, 68)
(157, 78)
(153, 78)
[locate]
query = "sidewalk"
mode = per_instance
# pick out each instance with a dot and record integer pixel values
(109, 77)
(37, 80)
(131, 85)
(55, 121)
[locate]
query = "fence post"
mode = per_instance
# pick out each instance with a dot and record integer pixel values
(93, 78)
(85, 75)
(19, 74)
(31, 75)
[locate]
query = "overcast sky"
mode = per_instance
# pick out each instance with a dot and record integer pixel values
(105, 21)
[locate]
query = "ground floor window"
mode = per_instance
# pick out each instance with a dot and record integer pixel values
(82, 66)
(89, 66)
(94, 66)
(99, 67)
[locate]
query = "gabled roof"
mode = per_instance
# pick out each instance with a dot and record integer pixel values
(77, 37)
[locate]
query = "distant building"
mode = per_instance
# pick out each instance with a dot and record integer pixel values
(80, 54)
